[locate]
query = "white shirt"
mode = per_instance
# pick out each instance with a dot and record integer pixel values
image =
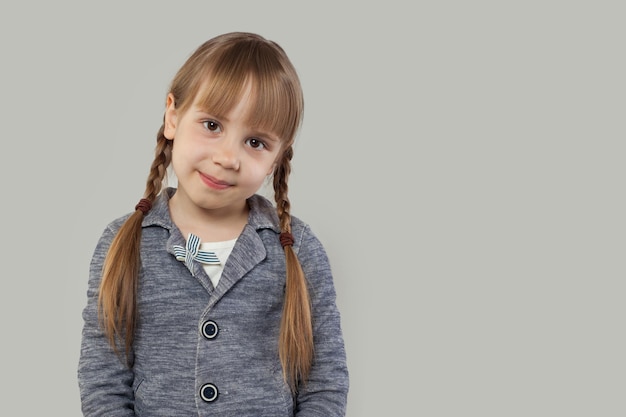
(222, 251)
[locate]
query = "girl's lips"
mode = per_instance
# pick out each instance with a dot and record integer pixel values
(213, 182)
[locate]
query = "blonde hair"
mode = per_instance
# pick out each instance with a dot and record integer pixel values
(216, 75)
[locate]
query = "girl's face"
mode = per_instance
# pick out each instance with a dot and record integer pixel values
(219, 160)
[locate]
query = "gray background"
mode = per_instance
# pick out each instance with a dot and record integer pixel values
(463, 162)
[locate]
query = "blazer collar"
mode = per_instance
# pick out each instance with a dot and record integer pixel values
(262, 213)
(248, 251)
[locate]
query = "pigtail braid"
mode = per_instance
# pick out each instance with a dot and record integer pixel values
(296, 329)
(158, 170)
(117, 298)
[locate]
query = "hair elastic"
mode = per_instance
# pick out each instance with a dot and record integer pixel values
(144, 205)
(286, 239)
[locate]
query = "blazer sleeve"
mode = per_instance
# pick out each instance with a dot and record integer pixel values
(325, 394)
(105, 381)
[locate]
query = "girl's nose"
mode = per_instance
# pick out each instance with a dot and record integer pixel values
(226, 154)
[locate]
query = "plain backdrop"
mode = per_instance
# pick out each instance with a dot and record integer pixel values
(463, 163)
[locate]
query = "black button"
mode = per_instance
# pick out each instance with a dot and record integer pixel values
(208, 393)
(210, 329)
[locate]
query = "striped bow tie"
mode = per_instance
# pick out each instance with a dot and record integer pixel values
(191, 252)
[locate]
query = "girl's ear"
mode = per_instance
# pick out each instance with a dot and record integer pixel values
(170, 117)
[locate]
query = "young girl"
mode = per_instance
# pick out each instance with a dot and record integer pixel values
(208, 300)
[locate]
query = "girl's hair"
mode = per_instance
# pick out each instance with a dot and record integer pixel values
(215, 76)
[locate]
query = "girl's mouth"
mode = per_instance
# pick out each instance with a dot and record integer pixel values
(213, 182)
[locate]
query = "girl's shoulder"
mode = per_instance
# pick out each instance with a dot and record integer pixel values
(116, 223)
(263, 215)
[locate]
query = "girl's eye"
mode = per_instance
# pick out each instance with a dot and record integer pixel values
(211, 125)
(255, 143)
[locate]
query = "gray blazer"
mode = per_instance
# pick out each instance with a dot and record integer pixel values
(204, 351)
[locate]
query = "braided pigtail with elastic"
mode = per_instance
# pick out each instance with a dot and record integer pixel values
(118, 287)
(296, 330)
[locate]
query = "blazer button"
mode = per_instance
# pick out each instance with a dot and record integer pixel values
(208, 393)
(210, 329)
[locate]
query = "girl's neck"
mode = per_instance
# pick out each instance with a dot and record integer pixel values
(208, 225)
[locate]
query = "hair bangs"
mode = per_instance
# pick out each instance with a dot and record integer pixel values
(273, 88)
(275, 106)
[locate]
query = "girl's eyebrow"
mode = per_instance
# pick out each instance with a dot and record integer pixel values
(266, 135)
(205, 113)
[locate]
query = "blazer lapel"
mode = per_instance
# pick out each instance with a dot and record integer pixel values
(247, 253)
